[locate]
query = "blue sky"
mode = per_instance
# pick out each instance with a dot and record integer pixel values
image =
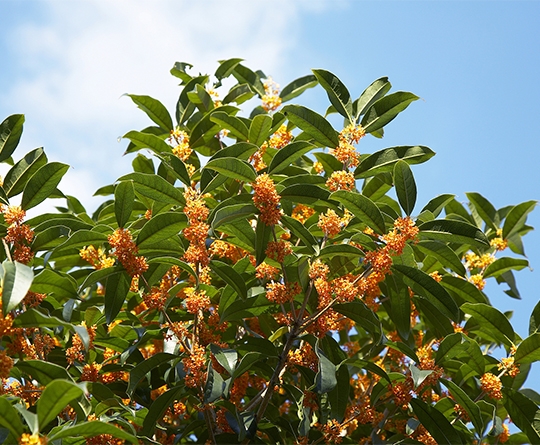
(475, 64)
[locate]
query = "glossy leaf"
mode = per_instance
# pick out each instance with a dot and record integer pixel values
(297, 87)
(436, 423)
(313, 124)
(361, 207)
(9, 417)
(522, 411)
(15, 284)
(305, 193)
(505, 264)
(214, 386)
(226, 67)
(233, 168)
(10, 134)
(463, 289)
(529, 350)
(298, 229)
(337, 92)
(154, 109)
(180, 170)
(124, 195)
(361, 315)
(427, 287)
(444, 254)
(484, 208)
(516, 218)
(325, 380)
(155, 187)
(386, 109)
(143, 368)
(17, 177)
(161, 227)
(370, 95)
(452, 231)
(44, 372)
(339, 396)
(230, 276)
(462, 398)
(259, 129)
(116, 290)
(82, 238)
(384, 160)
(54, 398)
(92, 429)
(405, 186)
(42, 184)
(236, 127)
(142, 140)
(492, 323)
(288, 155)
(231, 213)
(226, 357)
(239, 94)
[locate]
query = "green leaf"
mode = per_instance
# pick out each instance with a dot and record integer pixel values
(492, 323)
(437, 204)
(31, 318)
(384, 160)
(201, 98)
(180, 170)
(239, 94)
(247, 362)
(250, 307)
(143, 368)
(158, 408)
(386, 109)
(363, 316)
(44, 372)
(325, 380)
(367, 365)
(444, 254)
(405, 186)
(173, 262)
(262, 236)
(463, 399)
(453, 231)
(15, 284)
(236, 127)
(154, 109)
(529, 349)
(161, 227)
(288, 155)
(298, 229)
(124, 196)
(502, 265)
(230, 276)
(400, 305)
(116, 290)
(297, 87)
(17, 177)
(240, 150)
(305, 193)
(337, 92)
(522, 411)
(244, 75)
(155, 187)
(463, 289)
(226, 67)
(436, 423)
(233, 168)
(214, 386)
(259, 130)
(10, 418)
(419, 375)
(179, 70)
(82, 238)
(370, 95)
(42, 184)
(225, 357)
(516, 218)
(339, 396)
(346, 250)
(10, 134)
(54, 398)
(147, 140)
(231, 213)
(427, 287)
(313, 124)
(484, 208)
(91, 429)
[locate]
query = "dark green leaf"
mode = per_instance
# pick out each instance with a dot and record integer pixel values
(484, 208)
(233, 168)
(236, 127)
(505, 264)
(247, 362)
(158, 408)
(463, 289)
(225, 357)
(155, 187)
(180, 170)
(17, 177)
(298, 229)
(384, 160)
(92, 429)
(161, 227)
(239, 94)
(425, 286)
(42, 184)
(492, 323)
(226, 67)
(339, 396)
(346, 250)
(516, 218)
(116, 290)
(10, 134)
(259, 129)
(44, 372)
(231, 213)
(325, 380)
(250, 307)
(436, 423)
(437, 204)
(142, 140)
(444, 254)
(405, 186)
(305, 193)
(288, 155)
(9, 417)
(361, 315)
(297, 87)
(463, 399)
(173, 262)
(367, 365)
(370, 95)
(529, 350)
(522, 411)
(15, 284)
(83, 238)
(124, 195)
(386, 109)
(453, 231)
(230, 276)
(31, 318)
(154, 109)
(143, 368)
(54, 398)
(313, 124)
(214, 386)
(337, 92)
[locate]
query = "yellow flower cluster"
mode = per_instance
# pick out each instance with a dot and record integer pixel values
(271, 100)
(181, 148)
(340, 180)
(96, 257)
(331, 224)
(32, 439)
(491, 385)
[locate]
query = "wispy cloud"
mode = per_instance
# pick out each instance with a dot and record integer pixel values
(76, 61)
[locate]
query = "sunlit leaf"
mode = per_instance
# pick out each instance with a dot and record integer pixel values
(313, 124)
(42, 184)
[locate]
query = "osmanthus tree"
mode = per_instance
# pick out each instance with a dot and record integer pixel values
(257, 279)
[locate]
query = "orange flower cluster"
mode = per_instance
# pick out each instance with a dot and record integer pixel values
(90, 372)
(196, 301)
(32, 439)
(332, 432)
(498, 242)
(318, 167)
(473, 261)
(96, 257)
(302, 213)
(271, 100)
(266, 199)
(340, 180)
(197, 230)
(280, 138)
(281, 293)
(491, 385)
(278, 250)
(195, 367)
(239, 388)
(126, 251)
(6, 363)
(75, 352)
(180, 139)
(478, 280)
(345, 151)
(266, 272)
(512, 368)
(305, 356)
(18, 234)
(402, 392)
(223, 249)
(257, 158)
(156, 298)
(331, 224)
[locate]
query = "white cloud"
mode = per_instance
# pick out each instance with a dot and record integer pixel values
(78, 62)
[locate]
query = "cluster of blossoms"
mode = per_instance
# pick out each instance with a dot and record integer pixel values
(491, 385)
(125, 250)
(19, 235)
(281, 138)
(266, 199)
(96, 257)
(180, 141)
(197, 230)
(345, 151)
(271, 100)
(302, 213)
(340, 180)
(331, 224)
(76, 351)
(32, 439)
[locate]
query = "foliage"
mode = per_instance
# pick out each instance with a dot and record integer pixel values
(257, 280)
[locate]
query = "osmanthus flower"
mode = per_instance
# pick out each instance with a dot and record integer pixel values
(302, 213)
(491, 385)
(345, 151)
(331, 223)
(180, 141)
(125, 249)
(18, 234)
(282, 293)
(278, 250)
(478, 281)
(265, 271)
(197, 230)
(281, 138)
(508, 364)
(340, 180)
(195, 364)
(271, 100)
(498, 242)
(196, 301)
(96, 257)
(6, 363)
(32, 439)
(266, 199)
